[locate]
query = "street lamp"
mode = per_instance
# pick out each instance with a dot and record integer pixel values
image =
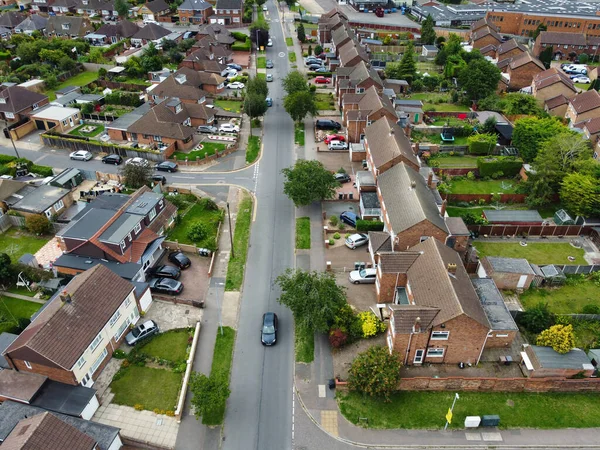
(230, 231)
(11, 138)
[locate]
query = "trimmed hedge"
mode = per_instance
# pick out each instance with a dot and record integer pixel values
(5, 159)
(242, 47)
(482, 144)
(122, 99)
(369, 225)
(508, 165)
(239, 36)
(44, 171)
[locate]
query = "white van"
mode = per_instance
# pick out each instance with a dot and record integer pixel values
(149, 21)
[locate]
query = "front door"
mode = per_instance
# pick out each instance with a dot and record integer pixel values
(419, 354)
(87, 380)
(522, 281)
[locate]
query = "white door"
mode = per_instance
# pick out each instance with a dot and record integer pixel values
(90, 409)
(481, 273)
(522, 281)
(419, 354)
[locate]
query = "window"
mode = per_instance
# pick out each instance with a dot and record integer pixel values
(114, 318)
(127, 301)
(122, 244)
(64, 122)
(35, 106)
(9, 115)
(129, 237)
(2, 100)
(152, 215)
(59, 205)
(48, 213)
(121, 329)
(66, 26)
(137, 228)
(439, 335)
(161, 202)
(360, 90)
(27, 364)
(95, 342)
(502, 335)
(236, 19)
(98, 361)
(435, 352)
(183, 18)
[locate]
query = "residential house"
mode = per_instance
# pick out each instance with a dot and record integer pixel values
(36, 6)
(355, 79)
(507, 273)
(552, 83)
(489, 50)
(591, 129)
(431, 322)
(7, 189)
(556, 106)
(545, 362)
(44, 200)
(200, 60)
(563, 44)
(351, 54)
(184, 85)
(117, 129)
(228, 12)
(13, 414)
(583, 106)
(340, 37)
(520, 70)
(208, 49)
(11, 19)
(328, 23)
(485, 36)
(195, 12)
(17, 103)
(219, 34)
(68, 27)
(123, 231)
(386, 145)
(63, 6)
(361, 110)
(56, 118)
(5, 33)
(149, 33)
(74, 335)
(102, 8)
(154, 10)
(211, 82)
(33, 23)
(114, 33)
(509, 49)
(482, 23)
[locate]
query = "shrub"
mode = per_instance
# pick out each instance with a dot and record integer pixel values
(490, 165)
(43, 171)
(537, 318)
(119, 354)
(559, 337)
(239, 36)
(138, 407)
(197, 232)
(375, 372)
(591, 309)
(170, 413)
(470, 176)
(331, 242)
(334, 220)
(5, 159)
(336, 236)
(337, 338)
(341, 226)
(37, 224)
(369, 225)
(482, 144)
(370, 324)
(208, 204)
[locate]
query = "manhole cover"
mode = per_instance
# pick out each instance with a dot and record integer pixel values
(187, 311)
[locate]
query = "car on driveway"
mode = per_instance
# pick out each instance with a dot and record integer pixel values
(166, 286)
(337, 145)
(81, 155)
(270, 64)
(236, 85)
(269, 77)
(159, 179)
(166, 272)
(364, 276)
(166, 166)
(324, 124)
(234, 66)
(229, 128)
(314, 67)
(142, 331)
(137, 161)
(207, 129)
(268, 332)
(180, 260)
(334, 137)
(311, 60)
(322, 80)
(342, 178)
(349, 218)
(112, 159)
(265, 8)
(322, 70)
(581, 79)
(357, 240)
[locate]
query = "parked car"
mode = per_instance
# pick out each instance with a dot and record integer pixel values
(166, 272)
(270, 64)
(314, 67)
(149, 21)
(81, 155)
(581, 79)
(180, 260)
(166, 286)
(364, 276)
(236, 85)
(265, 8)
(337, 145)
(311, 59)
(349, 218)
(270, 43)
(334, 137)
(141, 332)
(112, 159)
(189, 34)
(159, 179)
(166, 166)
(207, 129)
(235, 66)
(268, 332)
(322, 70)
(137, 161)
(269, 77)
(322, 80)
(269, 101)
(231, 75)
(229, 128)
(324, 124)
(342, 178)
(357, 240)
(575, 70)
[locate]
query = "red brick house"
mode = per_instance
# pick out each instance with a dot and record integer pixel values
(509, 49)
(183, 84)
(557, 106)
(361, 110)
(328, 23)
(355, 80)
(194, 12)
(351, 54)
(203, 60)
(485, 36)
(482, 23)
(550, 84)
(340, 37)
(228, 12)
(521, 70)
(386, 145)
(489, 50)
(564, 44)
(583, 106)
(17, 103)
(154, 10)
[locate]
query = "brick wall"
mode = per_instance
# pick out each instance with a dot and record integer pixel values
(412, 236)
(486, 40)
(54, 373)
(498, 340)
(461, 243)
(387, 286)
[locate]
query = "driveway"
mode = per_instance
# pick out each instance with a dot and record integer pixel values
(169, 316)
(336, 208)
(195, 279)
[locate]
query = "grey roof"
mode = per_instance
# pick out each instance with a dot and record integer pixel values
(594, 353)
(67, 90)
(510, 265)
(365, 178)
(5, 340)
(63, 398)
(403, 102)
(11, 19)
(194, 5)
(33, 23)
(552, 271)
(87, 224)
(65, 176)
(144, 203)
(157, 6)
(509, 215)
(229, 4)
(151, 32)
(109, 200)
(118, 230)
(405, 317)
(456, 226)
(493, 304)
(430, 48)
(551, 359)
(370, 200)
(41, 199)
(379, 241)
(124, 270)
(407, 198)
(90, 98)
(11, 413)
(125, 121)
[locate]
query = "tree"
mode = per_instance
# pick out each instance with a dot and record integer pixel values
(5, 272)
(530, 132)
(408, 65)
(197, 232)
(301, 33)
(546, 56)
(299, 104)
(133, 67)
(392, 71)
(559, 337)
(255, 105)
(122, 8)
(314, 298)
(583, 58)
(294, 82)
(489, 126)
(428, 35)
(257, 85)
(309, 50)
(375, 372)
(260, 2)
(259, 31)
(479, 79)
(290, 3)
(209, 395)
(516, 103)
(136, 176)
(318, 50)
(581, 194)
(541, 27)
(537, 318)
(37, 224)
(65, 63)
(308, 181)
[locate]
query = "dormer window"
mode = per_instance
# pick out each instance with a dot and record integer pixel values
(85, 2)
(66, 26)
(187, 122)
(2, 100)
(178, 108)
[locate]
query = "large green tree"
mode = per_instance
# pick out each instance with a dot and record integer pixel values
(408, 64)
(546, 56)
(122, 8)
(257, 85)
(375, 372)
(294, 82)
(580, 194)
(479, 79)
(308, 181)
(209, 395)
(314, 297)
(300, 104)
(428, 35)
(301, 32)
(530, 132)
(136, 176)
(255, 105)
(5, 272)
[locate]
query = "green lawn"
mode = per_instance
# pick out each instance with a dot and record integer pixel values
(411, 410)
(13, 309)
(299, 133)
(221, 366)
(483, 187)
(324, 101)
(292, 57)
(582, 86)
(430, 97)
(449, 121)
(99, 129)
(140, 81)
(80, 79)
(568, 299)
(535, 252)
(170, 345)
(151, 388)
(437, 139)
(229, 105)
(261, 75)
(289, 41)
(16, 242)
(237, 265)
(305, 344)
(209, 149)
(457, 211)
(466, 162)
(21, 291)
(261, 62)
(445, 107)
(198, 214)
(253, 149)
(303, 233)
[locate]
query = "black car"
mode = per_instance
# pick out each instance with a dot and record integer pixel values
(342, 178)
(323, 124)
(180, 260)
(166, 166)
(167, 272)
(268, 332)
(314, 67)
(349, 218)
(159, 179)
(112, 159)
(166, 286)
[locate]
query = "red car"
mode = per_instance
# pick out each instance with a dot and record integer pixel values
(322, 80)
(334, 137)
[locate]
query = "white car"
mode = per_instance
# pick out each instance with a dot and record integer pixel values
(81, 155)
(338, 145)
(269, 43)
(364, 276)
(356, 240)
(269, 77)
(229, 128)
(149, 21)
(137, 161)
(265, 8)
(580, 79)
(236, 85)
(231, 76)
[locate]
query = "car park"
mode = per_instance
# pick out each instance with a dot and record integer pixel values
(236, 85)
(269, 77)
(324, 124)
(269, 101)
(159, 179)
(166, 272)
(268, 331)
(321, 70)
(342, 177)
(142, 332)
(234, 66)
(166, 166)
(112, 159)
(229, 128)
(269, 43)
(180, 260)
(208, 129)
(166, 286)
(334, 137)
(270, 64)
(364, 276)
(322, 80)
(349, 218)
(81, 155)
(581, 79)
(337, 145)
(137, 161)
(356, 240)
(314, 67)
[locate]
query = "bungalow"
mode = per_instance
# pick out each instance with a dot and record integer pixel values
(33, 23)
(44, 200)
(550, 84)
(102, 8)
(56, 118)
(154, 10)
(149, 33)
(183, 84)
(194, 11)
(68, 27)
(507, 273)
(17, 103)
(121, 30)
(228, 12)
(583, 106)
(361, 110)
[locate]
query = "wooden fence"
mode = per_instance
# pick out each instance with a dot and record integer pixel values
(504, 198)
(120, 85)
(529, 230)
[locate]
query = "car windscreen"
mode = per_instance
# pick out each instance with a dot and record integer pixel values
(269, 329)
(136, 332)
(363, 273)
(169, 282)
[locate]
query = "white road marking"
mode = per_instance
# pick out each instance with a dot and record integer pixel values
(281, 54)
(39, 159)
(322, 393)
(177, 176)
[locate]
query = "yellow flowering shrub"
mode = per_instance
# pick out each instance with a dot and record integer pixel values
(559, 337)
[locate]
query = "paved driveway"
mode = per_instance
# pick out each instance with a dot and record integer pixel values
(169, 316)
(195, 279)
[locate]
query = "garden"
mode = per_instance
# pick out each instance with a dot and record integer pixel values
(579, 295)
(197, 222)
(324, 101)
(15, 242)
(8, 166)
(200, 152)
(229, 105)
(88, 130)
(15, 314)
(535, 252)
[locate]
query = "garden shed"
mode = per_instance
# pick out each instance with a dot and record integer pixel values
(68, 179)
(546, 362)
(561, 217)
(507, 273)
(553, 275)
(513, 217)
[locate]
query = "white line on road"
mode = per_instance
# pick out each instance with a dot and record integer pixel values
(39, 159)
(214, 178)
(189, 178)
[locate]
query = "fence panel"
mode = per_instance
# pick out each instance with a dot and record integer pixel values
(5, 223)
(529, 230)
(17, 221)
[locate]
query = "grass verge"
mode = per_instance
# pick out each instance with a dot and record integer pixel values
(536, 253)
(299, 133)
(517, 410)
(289, 41)
(229, 105)
(14, 309)
(253, 149)
(207, 217)
(237, 265)
(261, 62)
(303, 233)
(305, 344)
(154, 389)
(170, 345)
(292, 57)
(16, 242)
(208, 149)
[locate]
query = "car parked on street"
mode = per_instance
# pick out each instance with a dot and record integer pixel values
(228, 128)
(364, 276)
(166, 286)
(137, 161)
(322, 80)
(324, 124)
(141, 332)
(166, 166)
(270, 43)
(180, 260)
(269, 77)
(166, 272)
(268, 331)
(342, 177)
(159, 179)
(337, 145)
(269, 101)
(236, 85)
(112, 159)
(270, 64)
(334, 137)
(81, 155)
(207, 129)
(356, 240)
(349, 218)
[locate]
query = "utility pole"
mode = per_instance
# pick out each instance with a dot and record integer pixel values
(11, 138)
(230, 231)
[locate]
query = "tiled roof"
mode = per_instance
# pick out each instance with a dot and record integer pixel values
(397, 262)
(380, 241)
(557, 101)
(151, 32)
(487, 48)
(557, 38)
(194, 5)
(587, 101)
(483, 32)
(523, 59)
(551, 76)
(387, 141)
(229, 4)
(162, 121)
(157, 6)
(11, 19)
(509, 45)
(372, 102)
(32, 23)
(350, 51)
(456, 226)
(78, 25)
(172, 88)
(406, 316)
(483, 23)
(17, 98)
(124, 28)
(593, 125)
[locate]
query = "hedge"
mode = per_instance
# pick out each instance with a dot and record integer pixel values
(4, 56)
(122, 99)
(243, 47)
(239, 36)
(43, 171)
(369, 225)
(508, 165)
(482, 144)
(5, 159)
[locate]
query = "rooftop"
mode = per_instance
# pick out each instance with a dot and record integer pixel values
(125, 270)
(510, 265)
(507, 215)
(40, 199)
(551, 359)
(52, 112)
(493, 304)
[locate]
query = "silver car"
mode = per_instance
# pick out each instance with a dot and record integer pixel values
(356, 240)
(208, 129)
(81, 155)
(364, 276)
(141, 332)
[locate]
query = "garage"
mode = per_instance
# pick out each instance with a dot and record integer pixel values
(41, 125)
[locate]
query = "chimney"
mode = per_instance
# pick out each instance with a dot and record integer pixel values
(443, 208)
(65, 297)
(417, 325)
(430, 179)
(452, 269)
(413, 184)
(391, 131)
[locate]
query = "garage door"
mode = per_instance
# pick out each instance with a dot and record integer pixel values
(146, 301)
(90, 409)
(40, 125)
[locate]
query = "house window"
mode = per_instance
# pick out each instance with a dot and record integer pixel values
(440, 335)
(435, 352)
(98, 361)
(114, 318)
(161, 202)
(137, 228)
(122, 244)
(227, 11)
(423, 238)
(152, 215)
(2, 100)
(121, 329)
(35, 106)
(9, 115)
(502, 335)
(64, 122)
(66, 26)
(80, 362)
(59, 205)
(95, 342)
(129, 237)
(27, 364)
(236, 19)
(360, 90)
(127, 302)
(48, 213)
(183, 19)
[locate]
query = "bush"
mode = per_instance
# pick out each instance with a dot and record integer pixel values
(331, 242)
(369, 225)
(375, 372)
(509, 166)
(239, 36)
(208, 204)
(37, 224)
(591, 309)
(537, 318)
(336, 236)
(337, 338)
(5, 159)
(333, 220)
(123, 99)
(470, 176)
(482, 144)
(43, 171)
(370, 324)
(119, 354)
(138, 407)
(242, 47)
(559, 337)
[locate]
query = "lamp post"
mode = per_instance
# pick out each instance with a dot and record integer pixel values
(230, 231)
(11, 138)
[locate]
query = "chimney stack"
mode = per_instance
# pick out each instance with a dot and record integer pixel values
(65, 297)
(430, 179)
(452, 269)
(443, 209)
(417, 325)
